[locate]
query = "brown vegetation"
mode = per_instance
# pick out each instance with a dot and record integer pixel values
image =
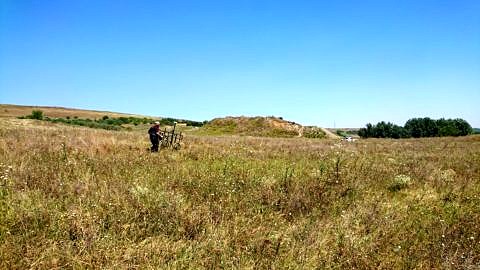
(7, 110)
(82, 198)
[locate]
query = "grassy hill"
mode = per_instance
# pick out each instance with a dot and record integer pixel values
(8, 110)
(81, 198)
(260, 127)
(243, 126)
(253, 126)
(89, 118)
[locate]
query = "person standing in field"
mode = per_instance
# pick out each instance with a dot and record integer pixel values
(154, 136)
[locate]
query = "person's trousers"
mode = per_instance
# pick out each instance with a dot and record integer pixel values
(155, 143)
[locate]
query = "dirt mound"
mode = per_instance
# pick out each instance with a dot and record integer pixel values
(254, 126)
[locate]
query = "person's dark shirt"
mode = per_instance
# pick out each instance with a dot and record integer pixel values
(153, 131)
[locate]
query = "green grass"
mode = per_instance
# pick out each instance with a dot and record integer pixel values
(73, 197)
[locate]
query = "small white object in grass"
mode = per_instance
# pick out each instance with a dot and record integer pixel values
(403, 179)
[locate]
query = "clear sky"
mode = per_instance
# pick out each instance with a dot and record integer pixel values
(314, 62)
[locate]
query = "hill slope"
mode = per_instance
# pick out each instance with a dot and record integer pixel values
(260, 127)
(253, 126)
(8, 110)
(243, 126)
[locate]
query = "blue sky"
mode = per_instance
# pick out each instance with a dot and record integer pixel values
(313, 62)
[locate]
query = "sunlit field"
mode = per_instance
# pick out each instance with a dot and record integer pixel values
(78, 198)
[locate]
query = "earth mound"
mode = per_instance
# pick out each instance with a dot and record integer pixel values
(258, 126)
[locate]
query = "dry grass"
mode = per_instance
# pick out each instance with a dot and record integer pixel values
(7, 110)
(80, 198)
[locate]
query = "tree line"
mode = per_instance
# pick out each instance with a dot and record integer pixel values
(417, 128)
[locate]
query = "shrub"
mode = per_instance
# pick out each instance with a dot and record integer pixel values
(314, 133)
(36, 114)
(341, 133)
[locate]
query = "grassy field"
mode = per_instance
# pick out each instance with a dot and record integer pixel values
(73, 197)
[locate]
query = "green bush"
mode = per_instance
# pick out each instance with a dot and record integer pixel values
(341, 133)
(314, 133)
(36, 114)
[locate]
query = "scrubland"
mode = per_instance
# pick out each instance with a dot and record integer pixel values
(74, 197)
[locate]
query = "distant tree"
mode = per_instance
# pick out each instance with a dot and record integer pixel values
(417, 128)
(366, 132)
(453, 127)
(448, 130)
(383, 130)
(397, 132)
(380, 130)
(431, 127)
(446, 127)
(414, 127)
(463, 127)
(422, 127)
(362, 132)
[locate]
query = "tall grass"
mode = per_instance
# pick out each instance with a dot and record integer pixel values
(80, 198)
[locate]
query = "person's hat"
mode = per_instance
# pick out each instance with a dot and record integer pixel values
(157, 123)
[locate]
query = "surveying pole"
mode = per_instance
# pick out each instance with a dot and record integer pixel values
(173, 132)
